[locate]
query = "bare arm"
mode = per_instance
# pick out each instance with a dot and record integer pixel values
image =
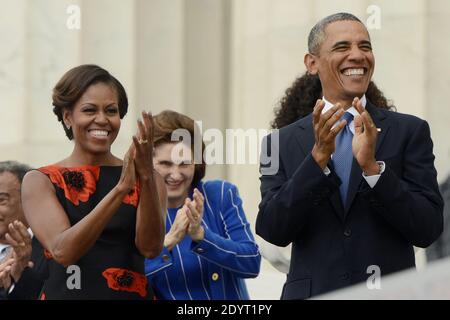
(151, 216)
(152, 208)
(50, 224)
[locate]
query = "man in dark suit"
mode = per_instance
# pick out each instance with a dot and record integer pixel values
(22, 263)
(350, 195)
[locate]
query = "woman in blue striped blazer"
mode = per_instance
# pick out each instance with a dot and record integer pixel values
(209, 248)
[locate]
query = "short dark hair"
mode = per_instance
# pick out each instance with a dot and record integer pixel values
(317, 33)
(74, 84)
(166, 123)
(16, 168)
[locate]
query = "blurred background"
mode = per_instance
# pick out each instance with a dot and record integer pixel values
(226, 63)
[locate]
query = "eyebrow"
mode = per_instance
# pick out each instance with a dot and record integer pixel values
(340, 43)
(91, 104)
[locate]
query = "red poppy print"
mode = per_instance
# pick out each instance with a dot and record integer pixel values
(132, 197)
(78, 183)
(126, 280)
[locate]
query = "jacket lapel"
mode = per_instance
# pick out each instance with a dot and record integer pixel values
(305, 138)
(356, 173)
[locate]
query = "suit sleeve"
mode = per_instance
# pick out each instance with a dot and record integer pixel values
(287, 202)
(412, 203)
(30, 284)
(237, 251)
(3, 294)
(162, 262)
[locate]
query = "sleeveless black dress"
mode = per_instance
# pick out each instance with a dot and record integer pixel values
(113, 268)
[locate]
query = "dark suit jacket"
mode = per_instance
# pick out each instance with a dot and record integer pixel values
(333, 246)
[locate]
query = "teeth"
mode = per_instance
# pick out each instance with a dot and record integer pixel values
(99, 133)
(352, 72)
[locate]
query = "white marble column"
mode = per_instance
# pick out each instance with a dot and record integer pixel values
(13, 56)
(52, 49)
(43, 48)
(437, 82)
(323, 8)
(160, 54)
(400, 52)
(206, 66)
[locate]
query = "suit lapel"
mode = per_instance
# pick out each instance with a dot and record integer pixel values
(305, 138)
(356, 173)
(381, 123)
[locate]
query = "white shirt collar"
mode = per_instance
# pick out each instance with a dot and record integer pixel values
(352, 110)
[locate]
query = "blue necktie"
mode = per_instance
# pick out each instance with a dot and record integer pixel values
(343, 156)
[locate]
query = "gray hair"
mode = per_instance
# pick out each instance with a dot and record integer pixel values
(16, 168)
(317, 34)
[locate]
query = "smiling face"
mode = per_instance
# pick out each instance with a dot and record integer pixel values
(345, 61)
(95, 119)
(10, 206)
(177, 169)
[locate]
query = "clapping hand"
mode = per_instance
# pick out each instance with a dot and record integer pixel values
(326, 128)
(178, 229)
(139, 157)
(364, 140)
(143, 143)
(5, 273)
(187, 221)
(194, 213)
(20, 240)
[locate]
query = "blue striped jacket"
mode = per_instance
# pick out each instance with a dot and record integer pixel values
(215, 267)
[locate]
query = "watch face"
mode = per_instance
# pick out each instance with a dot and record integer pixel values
(380, 167)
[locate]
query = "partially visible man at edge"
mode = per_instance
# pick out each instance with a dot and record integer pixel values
(21, 270)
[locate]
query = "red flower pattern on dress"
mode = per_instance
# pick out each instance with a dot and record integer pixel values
(126, 280)
(132, 197)
(78, 183)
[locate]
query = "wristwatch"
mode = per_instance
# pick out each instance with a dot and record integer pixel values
(381, 168)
